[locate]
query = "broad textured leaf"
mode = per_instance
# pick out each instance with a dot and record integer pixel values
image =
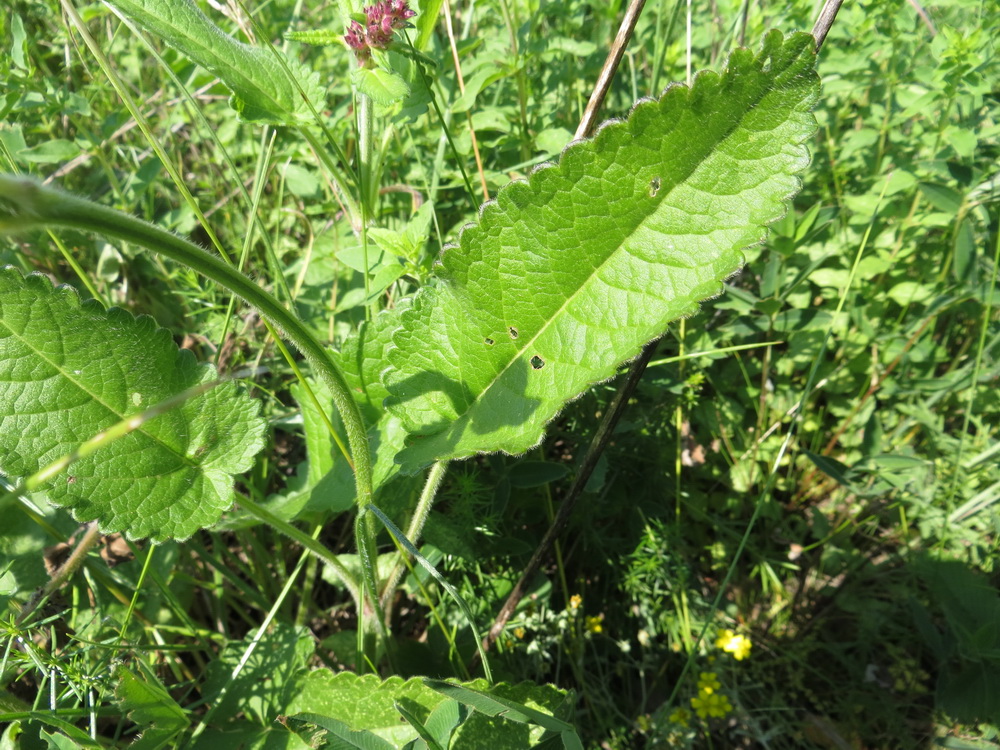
(571, 272)
(70, 370)
(363, 702)
(363, 355)
(263, 89)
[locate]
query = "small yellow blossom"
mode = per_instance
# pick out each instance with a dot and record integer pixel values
(575, 601)
(708, 683)
(737, 645)
(519, 633)
(711, 704)
(680, 716)
(594, 624)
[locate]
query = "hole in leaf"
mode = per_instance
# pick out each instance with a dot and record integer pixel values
(537, 363)
(654, 187)
(489, 341)
(513, 332)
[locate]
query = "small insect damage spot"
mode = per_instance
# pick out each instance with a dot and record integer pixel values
(513, 332)
(489, 341)
(654, 187)
(537, 363)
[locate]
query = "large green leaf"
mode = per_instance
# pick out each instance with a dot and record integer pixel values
(364, 703)
(571, 272)
(70, 370)
(263, 86)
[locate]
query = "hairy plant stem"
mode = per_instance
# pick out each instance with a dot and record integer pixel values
(367, 180)
(434, 478)
(24, 204)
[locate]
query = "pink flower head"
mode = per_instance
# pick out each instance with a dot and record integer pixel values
(401, 13)
(355, 36)
(383, 18)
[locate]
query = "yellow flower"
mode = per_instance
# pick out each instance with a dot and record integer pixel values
(519, 633)
(575, 601)
(737, 645)
(708, 683)
(680, 716)
(594, 624)
(711, 704)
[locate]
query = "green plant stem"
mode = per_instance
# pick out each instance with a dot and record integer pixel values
(25, 204)
(367, 179)
(364, 534)
(417, 521)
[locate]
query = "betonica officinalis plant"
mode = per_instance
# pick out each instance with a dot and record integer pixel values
(343, 280)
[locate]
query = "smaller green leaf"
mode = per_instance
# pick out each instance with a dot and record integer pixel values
(265, 85)
(836, 470)
(70, 371)
(426, 21)
(381, 86)
(19, 42)
(414, 55)
(943, 198)
(445, 719)
(72, 733)
(56, 741)
(50, 152)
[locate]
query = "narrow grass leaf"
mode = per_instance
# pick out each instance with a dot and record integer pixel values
(342, 735)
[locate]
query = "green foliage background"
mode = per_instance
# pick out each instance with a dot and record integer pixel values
(868, 580)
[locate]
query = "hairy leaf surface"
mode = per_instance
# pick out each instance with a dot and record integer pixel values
(571, 272)
(70, 370)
